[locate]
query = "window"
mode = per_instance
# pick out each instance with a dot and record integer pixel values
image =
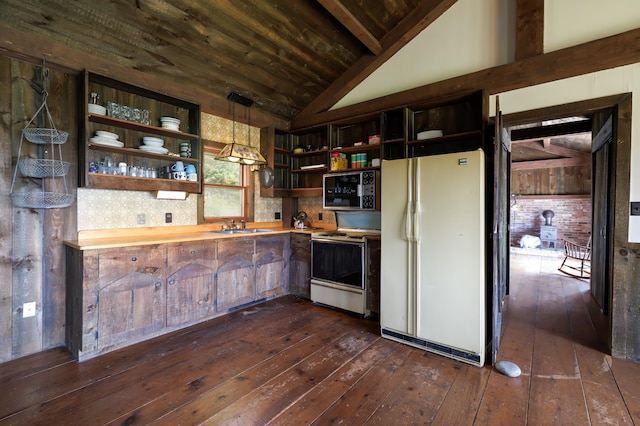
(225, 188)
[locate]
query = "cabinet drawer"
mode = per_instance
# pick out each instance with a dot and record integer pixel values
(144, 259)
(302, 241)
(191, 252)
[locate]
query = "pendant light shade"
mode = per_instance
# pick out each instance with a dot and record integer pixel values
(236, 152)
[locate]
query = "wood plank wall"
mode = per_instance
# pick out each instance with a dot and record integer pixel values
(556, 181)
(31, 249)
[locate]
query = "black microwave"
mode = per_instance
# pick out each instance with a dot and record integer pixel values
(354, 190)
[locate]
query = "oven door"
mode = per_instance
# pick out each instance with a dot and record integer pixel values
(338, 262)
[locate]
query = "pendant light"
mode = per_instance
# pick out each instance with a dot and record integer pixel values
(236, 152)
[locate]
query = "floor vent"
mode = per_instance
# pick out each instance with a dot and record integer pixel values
(471, 358)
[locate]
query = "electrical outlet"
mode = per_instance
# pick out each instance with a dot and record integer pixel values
(29, 309)
(635, 208)
(319, 216)
(167, 218)
(277, 215)
(142, 218)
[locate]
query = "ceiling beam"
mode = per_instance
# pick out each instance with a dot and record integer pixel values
(529, 28)
(350, 22)
(551, 130)
(553, 149)
(427, 12)
(550, 164)
(614, 51)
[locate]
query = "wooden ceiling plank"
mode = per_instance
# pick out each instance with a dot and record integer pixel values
(405, 31)
(553, 163)
(27, 47)
(342, 14)
(529, 28)
(614, 51)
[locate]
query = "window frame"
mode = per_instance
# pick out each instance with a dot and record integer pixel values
(213, 148)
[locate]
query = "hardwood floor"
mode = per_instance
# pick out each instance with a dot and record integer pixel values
(288, 362)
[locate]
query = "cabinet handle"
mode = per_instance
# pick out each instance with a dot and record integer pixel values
(158, 285)
(134, 259)
(172, 281)
(193, 252)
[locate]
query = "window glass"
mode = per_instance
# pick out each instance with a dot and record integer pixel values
(224, 188)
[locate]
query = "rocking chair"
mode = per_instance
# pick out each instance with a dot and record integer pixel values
(576, 254)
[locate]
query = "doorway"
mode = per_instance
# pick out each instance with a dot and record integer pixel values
(590, 170)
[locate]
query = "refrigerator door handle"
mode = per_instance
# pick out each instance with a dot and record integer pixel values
(416, 201)
(408, 231)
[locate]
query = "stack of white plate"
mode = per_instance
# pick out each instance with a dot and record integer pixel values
(170, 123)
(106, 138)
(151, 144)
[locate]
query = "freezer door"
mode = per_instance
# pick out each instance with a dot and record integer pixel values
(451, 288)
(396, 290)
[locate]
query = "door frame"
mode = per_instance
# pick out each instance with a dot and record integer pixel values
(619, 242)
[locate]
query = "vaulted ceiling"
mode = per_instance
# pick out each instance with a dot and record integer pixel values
(289, 57)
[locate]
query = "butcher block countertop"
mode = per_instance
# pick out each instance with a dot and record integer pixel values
(129, 237)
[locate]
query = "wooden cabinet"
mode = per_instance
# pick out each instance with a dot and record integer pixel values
(394, 133)
(114, 298)
(460, 121)
(236, 284)
(300, 265)
(276, 146)
(131, 129)
(374, 250)
(121, 296)
(358, 140)
(307, 167)
(271, 265)
(190, 283)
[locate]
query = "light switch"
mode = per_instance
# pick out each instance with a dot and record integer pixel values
(635, 208)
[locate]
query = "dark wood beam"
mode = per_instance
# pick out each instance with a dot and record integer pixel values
(346, 18)
(549, 164)
(541, 132)
(614, 51)
(553, 149)
(529, 28)
(405, 31)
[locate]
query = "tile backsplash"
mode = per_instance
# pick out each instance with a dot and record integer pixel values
(107, 209)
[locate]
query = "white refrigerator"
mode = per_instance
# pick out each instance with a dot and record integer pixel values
(433, 292)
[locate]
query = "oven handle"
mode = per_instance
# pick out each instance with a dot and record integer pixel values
(329, 240)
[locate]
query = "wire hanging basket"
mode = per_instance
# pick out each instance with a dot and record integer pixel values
(42, 167)
(42, 136)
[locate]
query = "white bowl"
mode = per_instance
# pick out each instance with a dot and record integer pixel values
(105, 134)
(169, 120)
(171, 126)
(151, 141)
(97, 109)
(429, 134)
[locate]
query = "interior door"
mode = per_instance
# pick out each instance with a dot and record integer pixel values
(603, 182)
(500, 231)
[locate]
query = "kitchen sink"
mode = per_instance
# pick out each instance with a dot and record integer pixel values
(242, 231)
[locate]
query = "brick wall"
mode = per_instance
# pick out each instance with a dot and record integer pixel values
(572, 218)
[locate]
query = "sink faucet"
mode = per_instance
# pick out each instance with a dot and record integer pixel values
(244, 224)
(233, 224)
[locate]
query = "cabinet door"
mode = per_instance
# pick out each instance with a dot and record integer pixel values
(235, 284)
(373, 274)
(272, 271)
(300, 265)
(191, 270)
(130, 297)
